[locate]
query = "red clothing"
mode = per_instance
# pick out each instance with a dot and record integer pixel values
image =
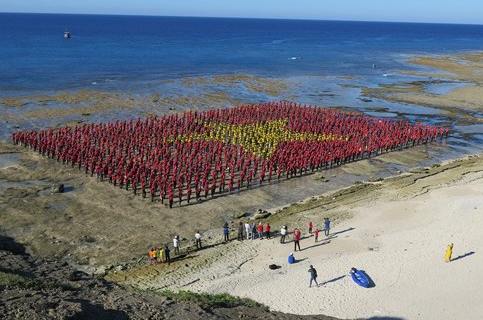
(296, 235)
(260, 228)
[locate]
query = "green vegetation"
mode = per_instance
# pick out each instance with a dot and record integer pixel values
(223, 300)
(15, 280)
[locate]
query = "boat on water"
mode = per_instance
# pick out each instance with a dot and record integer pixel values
(66, 34)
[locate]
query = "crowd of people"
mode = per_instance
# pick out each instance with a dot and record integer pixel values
(192, 155)
(245, 231)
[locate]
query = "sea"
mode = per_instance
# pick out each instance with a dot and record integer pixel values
(327, 60)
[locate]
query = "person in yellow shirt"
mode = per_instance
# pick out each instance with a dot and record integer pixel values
(449, 252)
(161, 255)
(155, 255)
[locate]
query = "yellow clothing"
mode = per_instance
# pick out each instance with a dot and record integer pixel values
(449, 252)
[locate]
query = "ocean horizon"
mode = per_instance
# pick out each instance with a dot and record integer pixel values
(129, 49)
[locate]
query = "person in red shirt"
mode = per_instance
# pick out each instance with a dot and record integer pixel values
(316, 234)
(310, 226)
(260, 230)
(296, 239)
(267, 231)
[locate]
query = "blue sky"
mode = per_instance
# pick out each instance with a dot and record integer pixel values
(444, 11)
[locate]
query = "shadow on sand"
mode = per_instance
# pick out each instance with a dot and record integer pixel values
(372, 284)
(339, 232)
(299, 260)
(385, 318)
(332, 280)
(463, 256)
(320, 243)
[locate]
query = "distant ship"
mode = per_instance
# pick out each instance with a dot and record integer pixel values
(66, 34)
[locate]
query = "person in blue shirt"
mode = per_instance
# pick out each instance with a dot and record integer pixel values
(291, 259)
(326, 226)
(226, 232)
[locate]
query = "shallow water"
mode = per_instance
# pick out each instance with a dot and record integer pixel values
(444, 88)
(9, 160)
(177, 58)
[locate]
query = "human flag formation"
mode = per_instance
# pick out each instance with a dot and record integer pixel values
(192, 155)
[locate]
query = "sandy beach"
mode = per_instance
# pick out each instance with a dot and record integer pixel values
(397, 235)
(394, 226)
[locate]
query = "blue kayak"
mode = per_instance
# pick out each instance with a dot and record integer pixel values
(360, 278)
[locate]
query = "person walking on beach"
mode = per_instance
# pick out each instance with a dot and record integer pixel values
(326, 226)
(240, 231)
(316, 234)
(296, 239)
(310, 225)
(449, 252)
(176, 244)
(283, 234)
(313, 276)
(267, 230)
(198, 239)
(226, 232)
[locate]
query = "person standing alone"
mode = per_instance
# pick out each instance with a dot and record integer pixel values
(449, 252)
(176, 244)
(313, 276)
(296, 239)
(326, 226)
(198, 239)
(226, 232)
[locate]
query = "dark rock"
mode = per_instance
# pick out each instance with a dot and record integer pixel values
(9, 244)
(57, 188)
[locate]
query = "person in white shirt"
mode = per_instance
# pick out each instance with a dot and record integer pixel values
(283, 233)
(176, 244)
(247, 230)
(198, 239)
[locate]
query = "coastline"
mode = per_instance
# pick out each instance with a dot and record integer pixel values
(396, 233)
(395, 237)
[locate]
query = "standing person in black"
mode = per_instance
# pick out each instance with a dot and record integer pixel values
(313, 276)
(240, 231)
(226, 232)
(166, 254)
